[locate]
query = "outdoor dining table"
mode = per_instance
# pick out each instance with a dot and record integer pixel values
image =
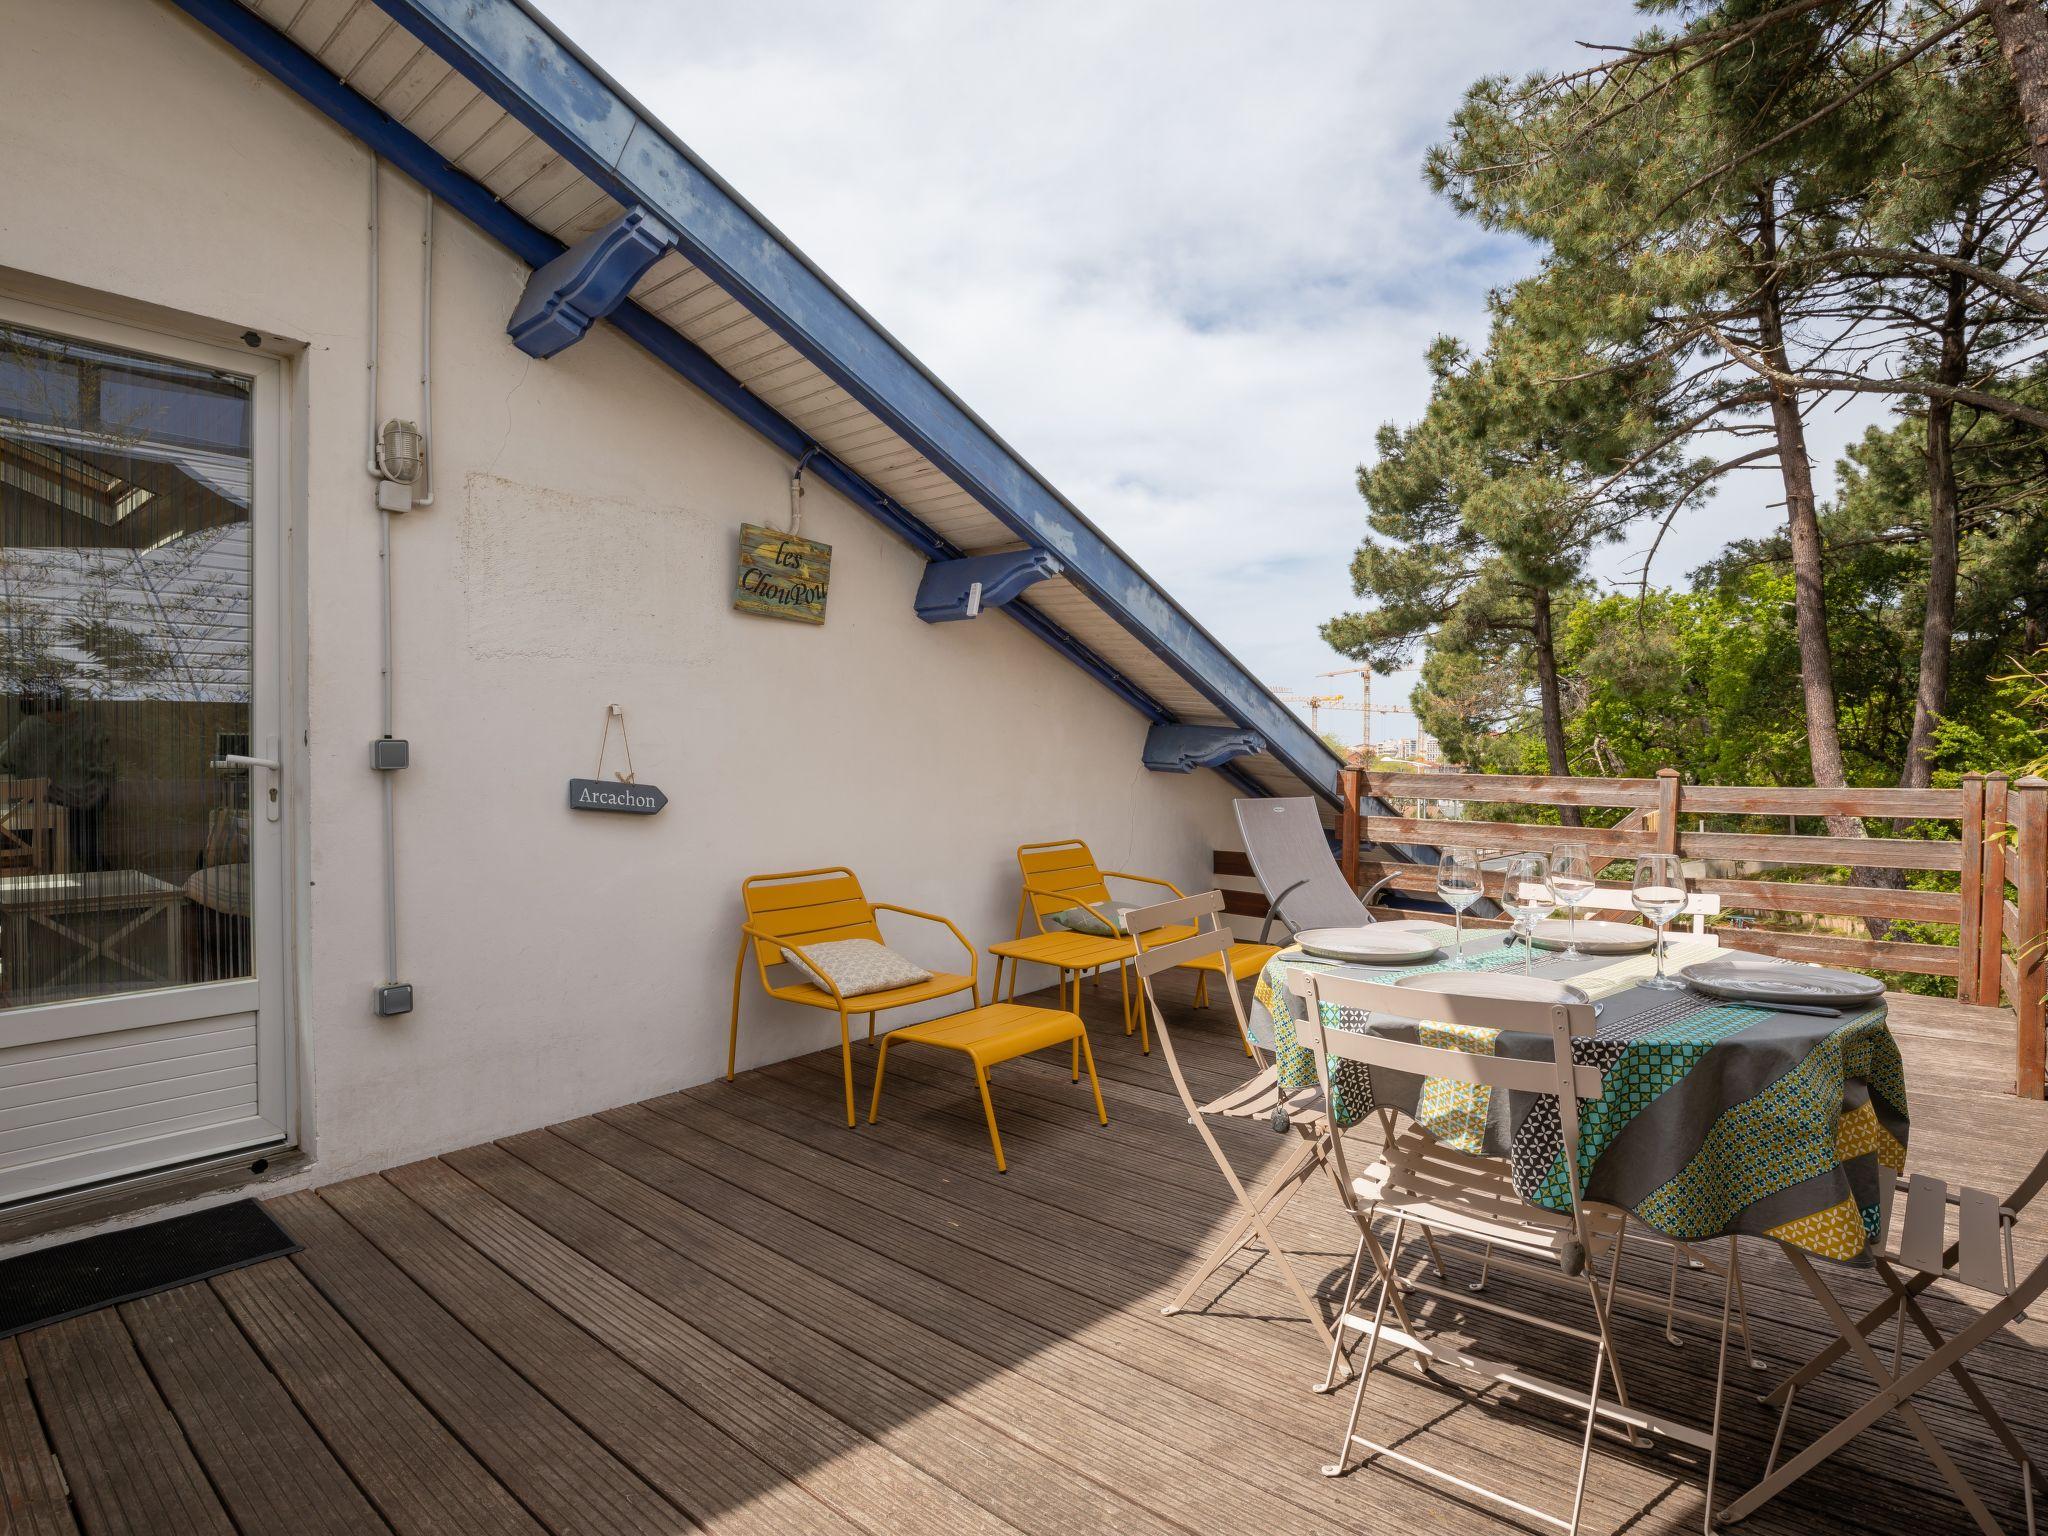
(1715, 1118)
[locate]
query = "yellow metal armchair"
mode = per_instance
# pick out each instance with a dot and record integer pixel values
(1064, 877)
(785, 912)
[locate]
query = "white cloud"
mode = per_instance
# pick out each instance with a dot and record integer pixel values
(1180, 255)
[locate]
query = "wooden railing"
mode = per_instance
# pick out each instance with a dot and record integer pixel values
(1998, 856)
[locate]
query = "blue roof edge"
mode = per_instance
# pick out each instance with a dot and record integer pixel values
(524, 63)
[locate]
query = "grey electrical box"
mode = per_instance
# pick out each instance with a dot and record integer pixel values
(394, 997)
(393, 497)
(389, 753)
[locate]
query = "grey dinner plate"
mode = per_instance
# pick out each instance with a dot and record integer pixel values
(1754, 979)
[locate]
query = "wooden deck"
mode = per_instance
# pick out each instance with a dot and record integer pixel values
(722, 1309)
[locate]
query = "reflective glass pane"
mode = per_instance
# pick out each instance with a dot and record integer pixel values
(125, 581)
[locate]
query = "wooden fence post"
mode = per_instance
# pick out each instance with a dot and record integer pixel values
(2029, 810)
(1970, 932)
(1348, 828)
(1667, 810)
(1991, 902)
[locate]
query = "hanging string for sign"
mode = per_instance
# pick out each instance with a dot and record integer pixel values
(627, 796)
(615, 712)
(796, 494)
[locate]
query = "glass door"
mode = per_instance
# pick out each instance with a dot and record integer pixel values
(140, 851)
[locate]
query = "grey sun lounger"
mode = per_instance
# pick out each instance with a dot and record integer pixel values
(1291, 857)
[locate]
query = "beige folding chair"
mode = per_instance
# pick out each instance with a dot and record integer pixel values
(1448, 1193)
(1909, 1259)
(1260, 1098)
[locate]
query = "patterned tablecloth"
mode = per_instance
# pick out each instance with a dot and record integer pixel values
(1715, 1118)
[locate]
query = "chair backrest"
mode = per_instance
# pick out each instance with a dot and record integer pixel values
(1699, 906)
(1059, 876)
(1551, 1071)
(1290, 854)
(806, 906)
(1202, 912)
(25, 825)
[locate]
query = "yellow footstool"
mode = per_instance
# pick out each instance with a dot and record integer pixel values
(990, 1036)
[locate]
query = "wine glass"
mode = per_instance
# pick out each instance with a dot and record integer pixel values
(1658, 892)
(1528, 898)
(1457, 884)
(1571, 878)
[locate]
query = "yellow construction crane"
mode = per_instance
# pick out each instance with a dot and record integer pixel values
(1316, 702)
(1365, 705)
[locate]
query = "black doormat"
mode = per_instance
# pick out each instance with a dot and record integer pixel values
(71, 1278)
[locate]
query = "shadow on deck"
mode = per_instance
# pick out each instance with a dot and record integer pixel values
(721, 1309)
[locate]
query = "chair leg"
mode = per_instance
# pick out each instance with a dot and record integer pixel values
(1372, 1339)
(871, 1029)
(1329, 1383)
(846, 1064)
(1756, 1361)
(1123, 987)
(1729, 1284)
(1892, 1396)
(1875, 1318)
(1436, 1254)
(732, 1041)
(1603, 1305)
(1094, 1087)
(1937, 1340)
(1271, 1198)
(988, 1108)
(1586, 1443)
(881, 1066)
(1202, 990)
(1075, 1071)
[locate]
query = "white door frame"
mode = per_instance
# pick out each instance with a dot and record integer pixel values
(275, 731)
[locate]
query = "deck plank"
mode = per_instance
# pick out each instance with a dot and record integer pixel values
(268, 1464)
(814, 1344)
(565, 1479)
(1879, 1456)
(420, 1478)
(1247, 1333)
(130, 1471)
(1144, 1441)
(717, 1479)
(868, 1482)
(32, 1496)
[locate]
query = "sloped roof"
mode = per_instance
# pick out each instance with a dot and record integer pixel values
(492, 109)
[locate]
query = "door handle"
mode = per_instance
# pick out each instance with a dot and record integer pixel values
(243, 760)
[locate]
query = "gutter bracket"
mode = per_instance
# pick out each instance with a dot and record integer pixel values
(1173, 748)
(963, 588)
(569, 295)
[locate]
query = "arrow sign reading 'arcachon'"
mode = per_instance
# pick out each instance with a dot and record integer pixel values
(615, 795)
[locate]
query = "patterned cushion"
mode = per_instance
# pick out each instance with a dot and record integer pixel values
(859, 966)
(1082, 920)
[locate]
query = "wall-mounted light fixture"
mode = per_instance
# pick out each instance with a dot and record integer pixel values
(400, 450)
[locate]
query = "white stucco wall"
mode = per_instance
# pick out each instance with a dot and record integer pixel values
(579, 553)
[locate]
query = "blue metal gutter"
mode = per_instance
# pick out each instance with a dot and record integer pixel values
(517, 58)
(294, 67)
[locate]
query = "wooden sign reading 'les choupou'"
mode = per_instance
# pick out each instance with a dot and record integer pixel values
(782, 575)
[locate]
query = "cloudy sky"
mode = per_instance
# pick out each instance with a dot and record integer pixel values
(1179, 253)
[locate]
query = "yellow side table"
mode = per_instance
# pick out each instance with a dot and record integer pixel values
(1071, 953)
